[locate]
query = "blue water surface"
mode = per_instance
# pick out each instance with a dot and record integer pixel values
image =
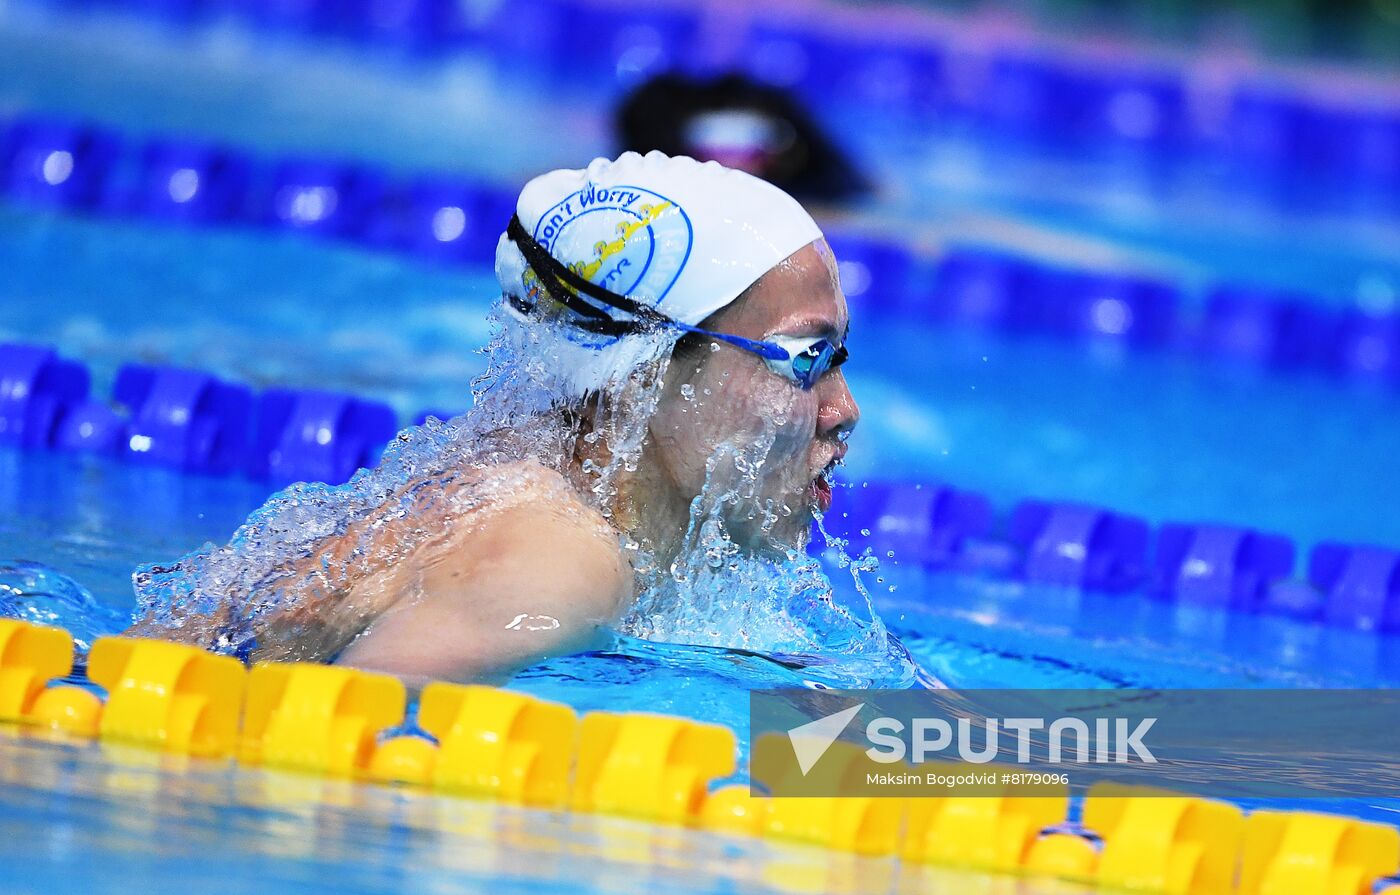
(1165, 436)
(1162, 435)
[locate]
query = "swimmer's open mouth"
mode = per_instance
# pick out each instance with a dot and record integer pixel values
(821, 483)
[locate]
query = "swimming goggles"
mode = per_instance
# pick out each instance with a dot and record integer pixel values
(801, 359)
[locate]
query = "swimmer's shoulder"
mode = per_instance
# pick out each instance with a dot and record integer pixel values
(528, 486)
(526, 570)
(540, 520)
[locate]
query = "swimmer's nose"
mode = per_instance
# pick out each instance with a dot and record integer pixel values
(838, 412)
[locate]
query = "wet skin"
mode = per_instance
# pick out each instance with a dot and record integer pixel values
(546, 575)
(734, 398)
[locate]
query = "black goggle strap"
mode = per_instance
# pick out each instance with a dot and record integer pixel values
(565, 286)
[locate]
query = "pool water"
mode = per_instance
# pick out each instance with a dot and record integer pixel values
(97, 819)
(1164, 436)
(1155, 434)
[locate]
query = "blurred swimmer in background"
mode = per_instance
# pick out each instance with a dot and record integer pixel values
(662, 412)
(743, 124)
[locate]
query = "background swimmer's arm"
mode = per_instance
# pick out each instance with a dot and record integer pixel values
(532, 583)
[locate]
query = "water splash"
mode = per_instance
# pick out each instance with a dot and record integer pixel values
(33, 592)
(291, 582)
(769, 597)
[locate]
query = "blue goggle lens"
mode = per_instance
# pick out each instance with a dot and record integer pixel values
(811, 364)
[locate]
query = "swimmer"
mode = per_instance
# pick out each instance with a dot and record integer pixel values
(665, 394)
(744, 124)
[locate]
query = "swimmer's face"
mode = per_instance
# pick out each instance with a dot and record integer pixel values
(717, 399)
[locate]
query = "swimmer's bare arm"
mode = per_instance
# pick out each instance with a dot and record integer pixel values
(530, 583)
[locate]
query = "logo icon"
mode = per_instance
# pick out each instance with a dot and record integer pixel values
(627, 239)
(811, 740)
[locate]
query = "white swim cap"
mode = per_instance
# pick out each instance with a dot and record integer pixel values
(674, 234)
